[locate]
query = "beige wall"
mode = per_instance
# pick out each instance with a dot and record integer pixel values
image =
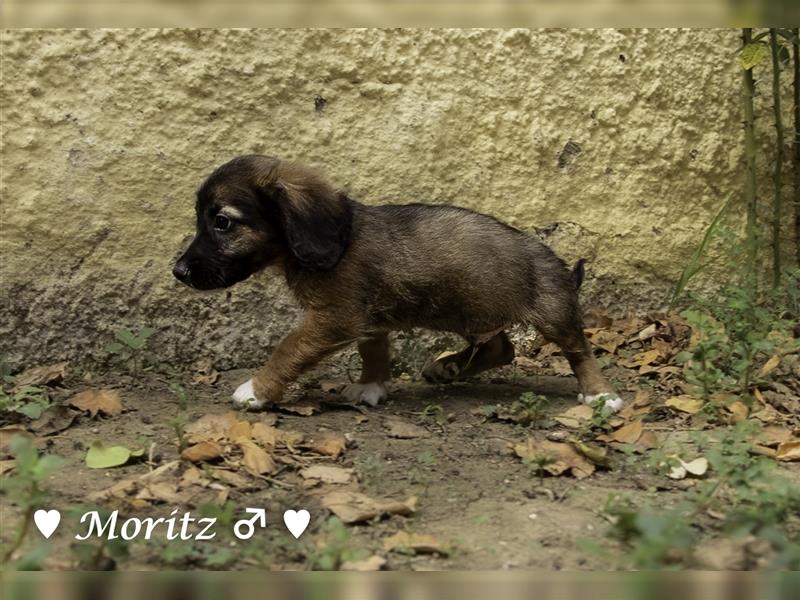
(629, 141)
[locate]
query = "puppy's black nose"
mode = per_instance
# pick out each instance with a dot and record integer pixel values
(181, 271)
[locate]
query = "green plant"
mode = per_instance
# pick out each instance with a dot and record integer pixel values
(179, 421)
(130, 347)
(29, 400)
(25, 489)
(530, 408)
(537, 465)
(655, 539)
(735, 334)
(335, 548)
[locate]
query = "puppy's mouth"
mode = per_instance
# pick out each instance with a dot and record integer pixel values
(197, 277)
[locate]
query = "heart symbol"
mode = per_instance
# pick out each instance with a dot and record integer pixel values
(296, 521)
(47, 521)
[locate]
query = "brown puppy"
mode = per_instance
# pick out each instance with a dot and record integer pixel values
(360, 272)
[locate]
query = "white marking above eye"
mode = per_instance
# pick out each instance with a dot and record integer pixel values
(231, 212)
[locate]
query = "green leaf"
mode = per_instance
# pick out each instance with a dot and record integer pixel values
(125, 336)
(752, 55)
(33, 410)
(101, 457)
(114, 347)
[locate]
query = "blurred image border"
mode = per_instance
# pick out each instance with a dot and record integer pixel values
(396, 13)
(510, 585)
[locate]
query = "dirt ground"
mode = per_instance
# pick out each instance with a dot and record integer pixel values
(481, 504)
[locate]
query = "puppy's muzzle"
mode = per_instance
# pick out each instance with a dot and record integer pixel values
(182, 272)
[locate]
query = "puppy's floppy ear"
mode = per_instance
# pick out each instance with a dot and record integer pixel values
(316, 219)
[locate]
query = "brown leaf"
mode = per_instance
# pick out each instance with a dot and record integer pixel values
(49, 375)
(6, 466)
(205, 450)
(629, 434)
(770, 365)
(266, 435)
(211, 426)
(53, 420)
(648, 440)
(328, 444)
(563, 457)
(353, 507)
(418, 542)
(9, 433)
(402, 429)
(575, 416)
(256, 460)
(327, 474)
(685, 404)
(373, 563)
(304, 409)
(774, 435)
(204, 372)
(738, 409)
(107, 402)
(788, 451)
(239, 431)
(607, 340)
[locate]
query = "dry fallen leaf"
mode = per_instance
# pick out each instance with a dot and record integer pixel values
(48, 375)
(788, 451)
(326, 474)
(738, 409)
(607, 340)
(373, 563)
(773, 435)
(256, 459)
(353, 507)
(770, 365)
(402, 429)
(685, 404)
(53, 420)
(94, 401)
(416, 542)
(696, 467)
(562, 457)
(204, 372)
(304, 409)
(329, 444)
(205, 450)
(575, 416)
(265, 435)
(239, 431)
(7, 465)
(630, 433)
(211, 426)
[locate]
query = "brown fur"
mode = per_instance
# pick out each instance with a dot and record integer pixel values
(361, 271)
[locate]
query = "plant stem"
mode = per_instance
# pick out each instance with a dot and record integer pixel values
(749, 159)
(23, 529)
(777, 204)
(796, 63)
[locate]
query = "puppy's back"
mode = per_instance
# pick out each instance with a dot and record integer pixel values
(450, 268)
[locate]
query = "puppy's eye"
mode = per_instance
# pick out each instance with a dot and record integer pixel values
(222, 223)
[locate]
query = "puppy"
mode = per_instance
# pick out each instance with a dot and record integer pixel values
(360, 272)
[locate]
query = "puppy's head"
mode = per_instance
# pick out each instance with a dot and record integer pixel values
(255, 211)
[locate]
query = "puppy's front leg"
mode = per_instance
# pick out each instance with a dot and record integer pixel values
(375, 370)
(315, 338)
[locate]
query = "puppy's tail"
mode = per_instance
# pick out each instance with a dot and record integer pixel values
(578, 273)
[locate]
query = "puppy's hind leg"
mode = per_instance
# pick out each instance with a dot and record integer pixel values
(475, 358)
(375, 371)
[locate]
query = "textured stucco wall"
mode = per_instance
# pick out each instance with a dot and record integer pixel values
(628, 140)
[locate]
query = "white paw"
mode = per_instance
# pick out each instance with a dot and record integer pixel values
(612, 401)
(244, 397)
(370, 393)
